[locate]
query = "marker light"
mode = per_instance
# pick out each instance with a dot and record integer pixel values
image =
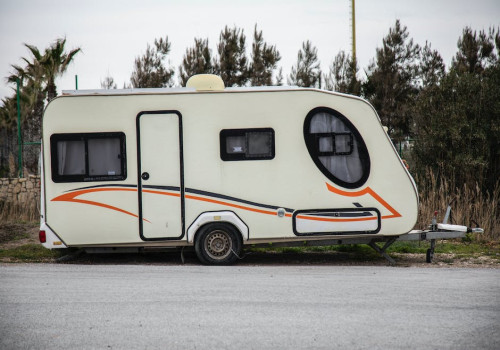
(42, 236)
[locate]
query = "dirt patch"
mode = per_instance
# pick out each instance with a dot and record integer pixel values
(17, 234)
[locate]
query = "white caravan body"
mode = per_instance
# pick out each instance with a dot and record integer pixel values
(150, 167)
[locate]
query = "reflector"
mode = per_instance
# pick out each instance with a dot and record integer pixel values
(42, 236)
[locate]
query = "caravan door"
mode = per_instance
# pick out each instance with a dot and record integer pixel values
(160, 175)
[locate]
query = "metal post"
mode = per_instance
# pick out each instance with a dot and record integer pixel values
(19, 135)
(353, 30)
(76, 82)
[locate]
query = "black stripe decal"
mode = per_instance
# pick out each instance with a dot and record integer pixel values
(193, 191)
(97, 186)
(221, 196)
(166, 188)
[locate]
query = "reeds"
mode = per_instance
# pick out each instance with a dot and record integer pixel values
(13, 213)
(470, 205)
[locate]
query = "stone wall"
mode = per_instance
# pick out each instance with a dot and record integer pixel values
(23, 191)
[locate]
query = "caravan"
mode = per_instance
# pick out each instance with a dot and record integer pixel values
(218, 168)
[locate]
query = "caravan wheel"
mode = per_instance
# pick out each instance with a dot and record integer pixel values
(218, 244)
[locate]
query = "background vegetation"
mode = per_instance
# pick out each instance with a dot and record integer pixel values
(444, 120)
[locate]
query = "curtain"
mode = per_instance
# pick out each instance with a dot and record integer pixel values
(347, 168)
(71, 157)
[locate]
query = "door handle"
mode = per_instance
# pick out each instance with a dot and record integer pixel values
(145, 175)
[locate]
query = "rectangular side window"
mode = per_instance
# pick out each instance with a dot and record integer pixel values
(247, 144)
(88, 157)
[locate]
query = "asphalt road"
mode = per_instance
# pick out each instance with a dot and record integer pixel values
(247, 307)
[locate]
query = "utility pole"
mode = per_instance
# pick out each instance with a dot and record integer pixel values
(19, 134)
(353, 27)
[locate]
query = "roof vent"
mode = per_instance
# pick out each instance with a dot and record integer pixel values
(205, 82)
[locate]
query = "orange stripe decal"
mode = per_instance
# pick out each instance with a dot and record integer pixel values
(317, 218)
(231, 205)
(162, 193)
(367, 190)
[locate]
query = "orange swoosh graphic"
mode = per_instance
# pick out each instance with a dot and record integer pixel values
(71, 197)
(372, 193)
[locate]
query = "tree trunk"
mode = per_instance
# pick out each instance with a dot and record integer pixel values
(51, 90)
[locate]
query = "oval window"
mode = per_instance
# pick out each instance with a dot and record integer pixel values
(336, 147)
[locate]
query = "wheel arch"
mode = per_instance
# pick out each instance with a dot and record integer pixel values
(207, 218)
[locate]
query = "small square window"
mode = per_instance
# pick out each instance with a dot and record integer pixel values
(246, 144)
(259, 144)
(235, 144)
(343, 144)
(326, 144)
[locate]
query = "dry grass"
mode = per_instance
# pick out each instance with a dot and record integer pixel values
(10, 212)
(470, 205)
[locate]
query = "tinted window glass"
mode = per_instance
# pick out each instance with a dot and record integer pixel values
(247, 144)
(104, 156)
(260, 144)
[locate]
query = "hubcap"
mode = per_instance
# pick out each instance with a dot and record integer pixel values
(218, 244)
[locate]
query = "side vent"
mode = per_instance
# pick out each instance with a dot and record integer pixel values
(206, 82)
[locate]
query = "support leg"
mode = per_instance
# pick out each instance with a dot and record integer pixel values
(382, 250)
(430, 252)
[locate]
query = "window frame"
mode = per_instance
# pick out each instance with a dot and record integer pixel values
(312, 145)
(85, 137)
(225, 133)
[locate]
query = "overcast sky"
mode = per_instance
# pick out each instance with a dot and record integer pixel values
(112, 33)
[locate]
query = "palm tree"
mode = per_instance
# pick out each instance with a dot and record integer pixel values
(55, 62)
(37, 82)
(31, 80)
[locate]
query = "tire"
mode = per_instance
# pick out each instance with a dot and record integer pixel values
(218, 244)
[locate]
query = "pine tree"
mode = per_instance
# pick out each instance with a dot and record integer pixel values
(279, 77)
(306, 72)
(431, 67)
(458, 117)
(342, 75)
(150, 70)
(108, 83)
(231, 63)
(475, 52)
(197, 60)
(264, 61)
(392, 81)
